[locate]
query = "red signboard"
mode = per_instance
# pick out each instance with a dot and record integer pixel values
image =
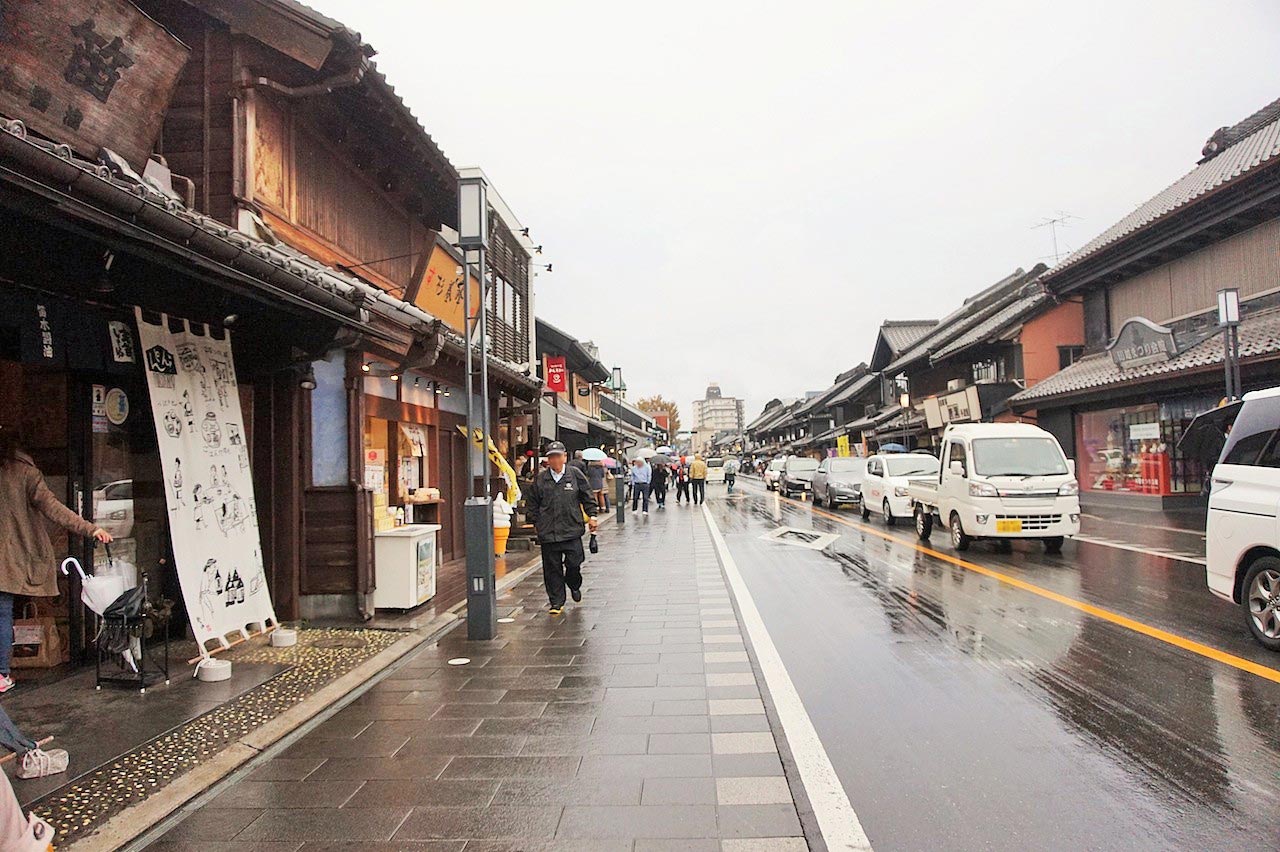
(557, 374)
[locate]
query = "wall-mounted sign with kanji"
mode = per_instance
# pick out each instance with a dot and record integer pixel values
(90, 73)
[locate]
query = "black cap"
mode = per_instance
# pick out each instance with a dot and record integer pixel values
(556, 447)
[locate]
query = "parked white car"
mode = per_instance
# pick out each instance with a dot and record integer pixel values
(1242, 537)
(1001, 481)
(772, 472)
(715, 471)
(884, 489)
(113, 507)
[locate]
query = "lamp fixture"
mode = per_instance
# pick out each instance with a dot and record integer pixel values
(230, 320)
(446, 391)
(103, 283)
(307, 380)
(365, 367)
(417, 382)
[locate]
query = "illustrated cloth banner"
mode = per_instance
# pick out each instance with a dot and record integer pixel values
(213, 522)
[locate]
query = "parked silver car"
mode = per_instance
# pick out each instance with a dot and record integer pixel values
(839, 480)
(796, 476)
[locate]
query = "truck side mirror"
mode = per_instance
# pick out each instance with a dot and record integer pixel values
(956, 468)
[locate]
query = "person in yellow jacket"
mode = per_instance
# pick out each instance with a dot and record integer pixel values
(698, 479)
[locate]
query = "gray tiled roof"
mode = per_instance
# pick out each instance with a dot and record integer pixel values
(1246, 154)
(999, 323)
(1259, 335)
(974, 310)
(902, 334)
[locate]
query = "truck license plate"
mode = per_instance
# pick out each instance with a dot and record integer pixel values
(1013, 525)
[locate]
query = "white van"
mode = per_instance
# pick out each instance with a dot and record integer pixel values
(999, 480)
(715, 471)
(1242, 537)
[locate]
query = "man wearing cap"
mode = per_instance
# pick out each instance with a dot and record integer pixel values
(557, 501)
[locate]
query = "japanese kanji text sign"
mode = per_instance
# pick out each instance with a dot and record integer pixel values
(90, 73)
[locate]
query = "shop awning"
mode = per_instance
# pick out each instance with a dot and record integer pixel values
(574, 421)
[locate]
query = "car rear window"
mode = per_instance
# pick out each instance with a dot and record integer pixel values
(715, 462)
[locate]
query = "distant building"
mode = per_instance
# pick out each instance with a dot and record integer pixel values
(717, 413)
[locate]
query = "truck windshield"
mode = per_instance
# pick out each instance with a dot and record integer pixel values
(912, 466)
(1017, 457)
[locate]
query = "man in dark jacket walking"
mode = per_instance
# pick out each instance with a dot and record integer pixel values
(558, 499)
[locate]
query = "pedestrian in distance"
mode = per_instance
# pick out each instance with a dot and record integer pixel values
(557, 502)
(680, 472)
(730, 475)
(641, 480)
(598, 477)
(698, 479)
(28, 565)
(661, 473)
(579, 462)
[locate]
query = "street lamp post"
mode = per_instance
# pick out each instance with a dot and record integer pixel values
(619, 486)
(905, 402)
(1229, 319)
(473, 234)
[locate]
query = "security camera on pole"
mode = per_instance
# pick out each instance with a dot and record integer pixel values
(473, 235)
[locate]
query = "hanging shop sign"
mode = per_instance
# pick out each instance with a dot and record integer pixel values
(208, 485)
(116, 406)
(1141, 342)
(441, 292)
(842, 446)
(557, 374)
(88, 73)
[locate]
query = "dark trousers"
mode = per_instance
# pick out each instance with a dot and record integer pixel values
(660, 493)
(638, 490)
(699, 490)
(682, 490)
(561, 566)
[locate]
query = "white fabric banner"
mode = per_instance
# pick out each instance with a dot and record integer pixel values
(213, 521)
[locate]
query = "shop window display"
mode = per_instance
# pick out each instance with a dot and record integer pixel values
(1134, 450)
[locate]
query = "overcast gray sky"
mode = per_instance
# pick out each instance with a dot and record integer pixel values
(741, 191)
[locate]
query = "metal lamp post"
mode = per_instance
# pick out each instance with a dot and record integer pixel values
(473, 234)
(1229, 319)
(619, 485)
(905, 402)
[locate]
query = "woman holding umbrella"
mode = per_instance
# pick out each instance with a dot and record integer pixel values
(595, 459)
(27, 562)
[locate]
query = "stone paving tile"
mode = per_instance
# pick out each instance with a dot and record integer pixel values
(227, 846)
(344, 824)
(639, 821)
(494, 821)
(632, 722)
(766, 844)
(679, 791)
(766, 790)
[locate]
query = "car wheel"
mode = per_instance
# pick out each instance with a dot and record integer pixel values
(1053, 544)
(866, 513)
(959, 540)
(924, 523)
(831, 501)
(887, 512)
(1262, 601)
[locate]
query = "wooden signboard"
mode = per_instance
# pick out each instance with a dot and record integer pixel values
(441, 292)
(90, 73)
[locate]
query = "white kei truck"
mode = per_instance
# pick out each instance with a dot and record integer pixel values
(999, 481)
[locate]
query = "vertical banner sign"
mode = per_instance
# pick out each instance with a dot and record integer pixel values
(557, 374)
(208, 486)
(842, 446)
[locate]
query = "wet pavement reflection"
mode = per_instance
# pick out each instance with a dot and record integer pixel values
(962, 712)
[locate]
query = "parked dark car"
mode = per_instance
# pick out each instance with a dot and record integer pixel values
(839, 480)
(797, 476)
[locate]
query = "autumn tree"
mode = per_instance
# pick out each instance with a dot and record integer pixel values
(658, 405)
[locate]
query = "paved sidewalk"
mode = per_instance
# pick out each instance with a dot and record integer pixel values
(632, 722)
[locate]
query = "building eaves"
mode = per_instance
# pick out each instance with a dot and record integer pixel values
(902, 334)
(975, 310)
(1238, 161)
(561, 342)
(994, 327)
(853, 389)
(1259, 336)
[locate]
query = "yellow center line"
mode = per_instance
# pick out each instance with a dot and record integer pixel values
(1098, 612)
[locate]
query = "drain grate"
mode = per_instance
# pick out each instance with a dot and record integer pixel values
(809, 539)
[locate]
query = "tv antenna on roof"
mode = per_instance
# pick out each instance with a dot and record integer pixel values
(1053, 223)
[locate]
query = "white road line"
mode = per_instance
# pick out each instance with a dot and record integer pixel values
(1163, 554)
(839, 824)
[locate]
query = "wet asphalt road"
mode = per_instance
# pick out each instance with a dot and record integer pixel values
(961, 712)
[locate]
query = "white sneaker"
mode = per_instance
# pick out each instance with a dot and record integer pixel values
(6, 683)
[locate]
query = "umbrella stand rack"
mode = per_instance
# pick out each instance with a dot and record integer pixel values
(151, 670)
